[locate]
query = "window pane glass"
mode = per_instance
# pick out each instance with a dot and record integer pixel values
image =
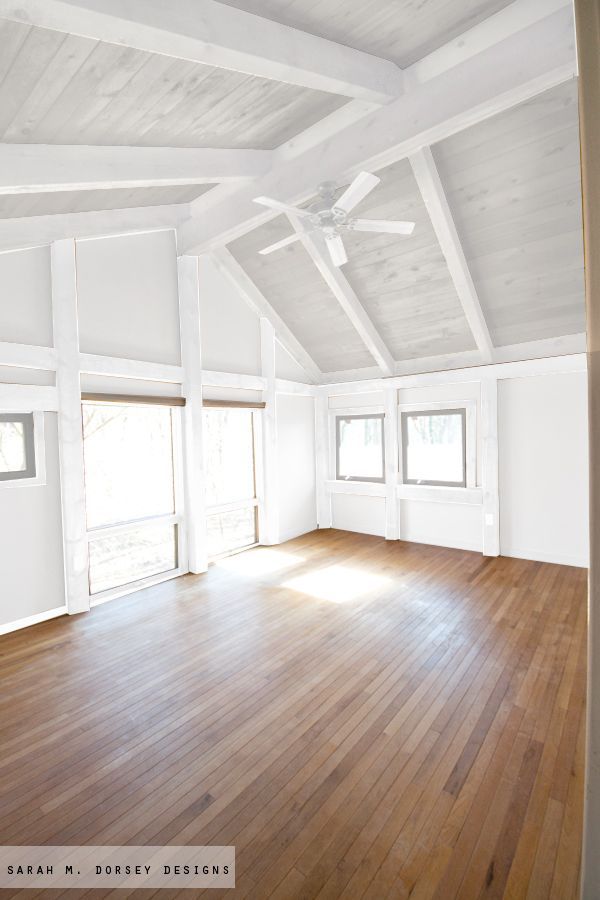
(360, 448)
(13, 457)
(230, 531)
(434, 448)
(122, 558)
(128, 462)
(228, 455)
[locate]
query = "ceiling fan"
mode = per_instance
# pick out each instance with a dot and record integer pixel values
(332, 217)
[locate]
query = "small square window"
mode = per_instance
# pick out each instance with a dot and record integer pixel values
(360, 448)
(434, 447)
(17, 446)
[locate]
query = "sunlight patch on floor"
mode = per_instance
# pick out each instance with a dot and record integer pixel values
(338, 584)
(263, 561)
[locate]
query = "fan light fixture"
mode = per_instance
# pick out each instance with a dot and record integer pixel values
(332, 217)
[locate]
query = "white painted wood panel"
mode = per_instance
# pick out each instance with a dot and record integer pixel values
(291, 283)
(15, 206)
(71, 90)
(513, 185)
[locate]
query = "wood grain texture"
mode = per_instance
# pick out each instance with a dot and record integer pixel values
(513, 184)
(59, 88)
(422, 739)
(402, 31)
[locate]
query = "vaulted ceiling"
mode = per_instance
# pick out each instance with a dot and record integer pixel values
(475, 141)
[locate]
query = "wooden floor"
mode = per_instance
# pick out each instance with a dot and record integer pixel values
(416, 731)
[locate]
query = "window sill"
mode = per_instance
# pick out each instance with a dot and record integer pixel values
(439, 494)
(360, 488)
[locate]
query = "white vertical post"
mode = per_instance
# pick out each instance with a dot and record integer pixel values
(191, 361)
(269, 526)
(392, 518)
(70, 434)
(489, 473)
(322, 451)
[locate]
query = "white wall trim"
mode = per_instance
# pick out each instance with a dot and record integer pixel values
(115, 366)
(269, 526)
(70, 436)
(322, 463)
(233, 380)
(28, 398)
(532, 553)
(576, 362)
(27, 356)
(191, 358)
(489, 468)
(8, 627)
(430, 493)
(360, 488)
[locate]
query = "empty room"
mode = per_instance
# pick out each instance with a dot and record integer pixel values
(299, 427)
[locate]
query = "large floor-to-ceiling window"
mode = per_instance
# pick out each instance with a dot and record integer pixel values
(230, 451)
(133, 494)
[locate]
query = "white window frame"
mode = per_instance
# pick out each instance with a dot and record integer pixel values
(257, 502)
(346, 413)
(470, 407)
(176, 518)
(39, 451)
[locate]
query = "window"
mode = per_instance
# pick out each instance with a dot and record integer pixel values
(230, 479)
(131, 491)
(359, 448)
(434, 447)
(22, 449)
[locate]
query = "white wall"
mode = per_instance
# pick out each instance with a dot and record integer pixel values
(230, 331)
(31, 554)
(366, 515)
(25, 297)
(543, 467)
(296, 464)
(127, 297)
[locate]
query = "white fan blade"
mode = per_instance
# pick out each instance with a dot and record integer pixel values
(278, 244)
(337, 251)
(362, 185)
(282, 207)
(384, 225)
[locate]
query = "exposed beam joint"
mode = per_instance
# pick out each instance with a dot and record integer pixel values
(243, 284)
(344, 293)
(217, 35)
(33, 168)
(516, 69)
(434, 197)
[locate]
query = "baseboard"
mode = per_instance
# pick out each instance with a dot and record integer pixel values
(33, 620)
(557, 559)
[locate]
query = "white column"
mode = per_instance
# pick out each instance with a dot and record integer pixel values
(322, 452)
(269, 526)
(70, 436)
(191, 361)
(489, 473)
(392, 518)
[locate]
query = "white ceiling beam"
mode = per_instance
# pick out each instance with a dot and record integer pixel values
(519, 67)
(32, 231)
(434, 197)
(502, 25)
(213, 34)
(243, 284)
(344, 293)
(33, 168)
